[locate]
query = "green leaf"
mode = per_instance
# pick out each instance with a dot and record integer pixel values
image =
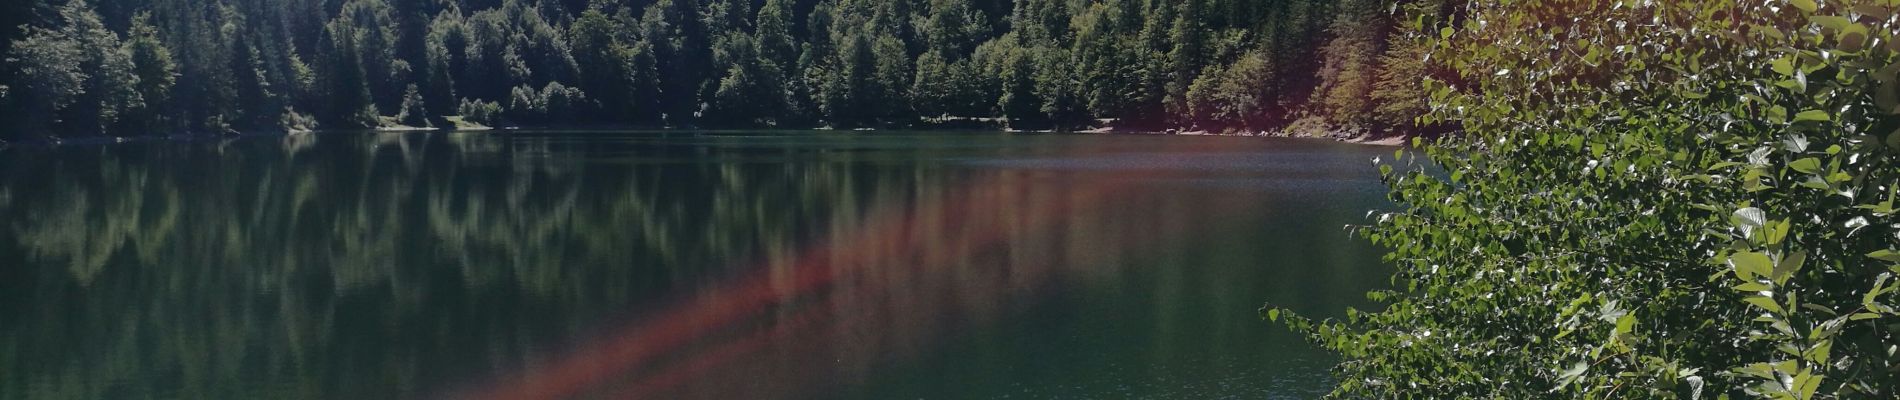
(1751, 265)
(1793, 85)
(1839, 177)
(1812, 116)
(1758, 370)
(1820, 352)
(1805, 384)
(1886, 255)
(1752, 287)
(1787, 367)
(1778, 114)
(1789, 265)
(1804, 5)
(1868, 299)
(1764, 303)
(1808, 165)
(1832, 22)
(1777, 231)
(1784, 65)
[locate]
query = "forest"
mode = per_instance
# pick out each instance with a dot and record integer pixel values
(159, 67)
(1679, 199)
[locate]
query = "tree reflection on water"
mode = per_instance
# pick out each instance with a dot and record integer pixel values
(660, 265)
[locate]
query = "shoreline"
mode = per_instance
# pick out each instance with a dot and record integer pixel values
(1370, 140)
(1365, 139)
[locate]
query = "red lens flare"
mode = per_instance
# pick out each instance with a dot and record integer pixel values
(872, 293)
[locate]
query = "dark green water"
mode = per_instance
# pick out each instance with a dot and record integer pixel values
(677, 266)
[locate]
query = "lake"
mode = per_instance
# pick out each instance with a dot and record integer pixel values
(679, 265)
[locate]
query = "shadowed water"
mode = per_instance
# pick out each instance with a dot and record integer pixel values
(677, 265)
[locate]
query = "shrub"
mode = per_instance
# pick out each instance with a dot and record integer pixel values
(525, 106)
(553, 103)
(297, 122)
(564, 103)
(1233, 96)
(1677, 199)
(481, 112)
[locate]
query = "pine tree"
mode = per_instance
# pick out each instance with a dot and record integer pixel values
(645, 85)
(1057, 84)
(728, 17)
(683, 53)
(953, 29)
(1108, 61)
(1351, 65)
(438, 93)
(776, 43)
(778, 50)
(849, 95)
(344, 81)
(542, 45)
(491, 69)
(1154, 70)
(605, 64)
(413, 113)
(361, 68)
(890, 83)
(449, 49)
(1017, 101)
(1399, 93)
(1189, 36)
(373, 25)
(801, 95)
(749, 92)
(258, 106)
(933, 92)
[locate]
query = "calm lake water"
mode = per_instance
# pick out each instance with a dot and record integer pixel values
(678, 265)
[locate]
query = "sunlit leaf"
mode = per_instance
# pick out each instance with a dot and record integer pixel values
(1765, 303)
(1806, 165)
(1750, 265)
(1748, 218)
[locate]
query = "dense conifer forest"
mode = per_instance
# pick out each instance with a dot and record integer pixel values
(79, 68)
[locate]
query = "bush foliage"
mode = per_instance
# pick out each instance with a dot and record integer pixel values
(1675, 199)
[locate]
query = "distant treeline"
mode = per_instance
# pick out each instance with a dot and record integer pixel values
(135, 67)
